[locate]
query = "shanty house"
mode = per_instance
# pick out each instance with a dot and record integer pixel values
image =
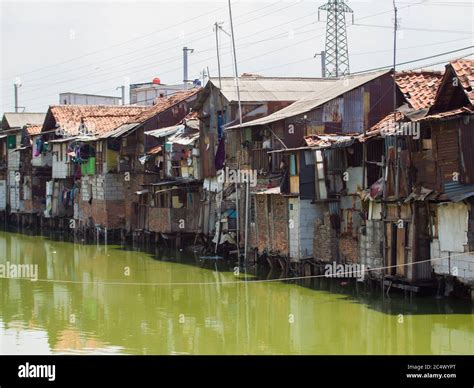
(78, 188)
(237, 151)
(395, 234)
(141, 156)
(20, 182)
(316, 180)
(450, 123)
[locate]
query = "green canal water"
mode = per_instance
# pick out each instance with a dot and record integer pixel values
(116, 300)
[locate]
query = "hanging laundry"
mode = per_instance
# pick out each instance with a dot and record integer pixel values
(220, 125)
(38, 147)
(220, 155)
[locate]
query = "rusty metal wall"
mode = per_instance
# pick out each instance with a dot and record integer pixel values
(380, 99)
(353, 117)
(466, 125)
(375, 150)
(445, 136)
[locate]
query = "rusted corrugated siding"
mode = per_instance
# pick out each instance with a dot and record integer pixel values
(375, 150)
(467, 147)
(294, 132)
(333, 110)
(353, 116)
(447, 151)
(380, 100)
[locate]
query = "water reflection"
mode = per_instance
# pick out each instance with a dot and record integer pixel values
(89, 309)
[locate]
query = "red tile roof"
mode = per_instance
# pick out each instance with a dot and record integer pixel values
(464, 69)
(97, 118)
(164, 103)
(34, 129)
(385, 125)
(419, 87)
(451, 113)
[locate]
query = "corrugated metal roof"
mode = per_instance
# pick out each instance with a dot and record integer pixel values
(167, 131)
(19, 120)
(457, 192)
(317, 98)
(256, 88)
(451, 114)
(314, 142)
(124, 128)
(184, 138)
(273, 190)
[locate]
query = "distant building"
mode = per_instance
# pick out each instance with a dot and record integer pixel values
(146, 93)
(87, 99)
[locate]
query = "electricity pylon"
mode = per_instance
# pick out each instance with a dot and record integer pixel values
(337, 53)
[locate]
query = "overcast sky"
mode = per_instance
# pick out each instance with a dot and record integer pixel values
(94, 47)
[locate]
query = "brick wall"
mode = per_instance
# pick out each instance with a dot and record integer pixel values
(325, 243)
(271, 229)
(348, 249)
(279, 223)
(159, 220)
(109, 214)
(260, 239)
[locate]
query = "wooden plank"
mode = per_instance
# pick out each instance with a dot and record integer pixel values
(401, 256)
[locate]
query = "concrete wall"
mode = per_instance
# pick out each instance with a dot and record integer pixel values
(308, 213)
(3, 195)
(42, 160)
(14, 191)
(371, 245)
(108, 187)
(294, 227)
(13, 160)
(450, 250)
(60, 166)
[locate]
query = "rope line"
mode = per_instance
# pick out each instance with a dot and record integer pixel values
(236, 281)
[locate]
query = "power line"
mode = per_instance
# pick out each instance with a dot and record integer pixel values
(416, 29)
(149, 34)
(173, 40)
(415, 60)
(246, 59)
(39, 87)
(202, 29)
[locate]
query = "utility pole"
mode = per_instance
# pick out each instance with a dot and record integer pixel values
(236, 78)
(395, 29)
(16, 85)
(185, 64)
(235, 62)
(323, 62)
(217, 26)
(337, 53)
(123, 93)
